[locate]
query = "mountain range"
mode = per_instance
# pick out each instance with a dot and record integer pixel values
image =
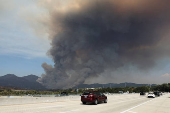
(96, 85)
(29, 82)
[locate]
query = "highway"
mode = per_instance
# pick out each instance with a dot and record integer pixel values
(120, 103)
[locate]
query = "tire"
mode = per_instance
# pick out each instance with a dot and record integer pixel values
(96, 102)
(84, 102)
(105, 101)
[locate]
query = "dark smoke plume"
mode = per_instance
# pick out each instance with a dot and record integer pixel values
(96, 35)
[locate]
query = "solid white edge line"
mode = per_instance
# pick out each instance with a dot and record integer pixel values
(137, 106)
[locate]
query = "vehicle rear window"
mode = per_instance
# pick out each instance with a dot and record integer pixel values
(96, 93)
(150, 93)
(87, 93)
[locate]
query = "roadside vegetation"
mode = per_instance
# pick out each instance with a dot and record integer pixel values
(11, 92)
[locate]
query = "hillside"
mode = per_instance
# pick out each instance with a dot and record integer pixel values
(27, 82)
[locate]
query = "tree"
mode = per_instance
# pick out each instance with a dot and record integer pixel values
(141, 89)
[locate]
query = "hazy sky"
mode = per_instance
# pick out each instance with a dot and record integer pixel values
(22, 51)
(79, 32)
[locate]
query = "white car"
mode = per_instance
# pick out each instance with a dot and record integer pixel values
(151, 95)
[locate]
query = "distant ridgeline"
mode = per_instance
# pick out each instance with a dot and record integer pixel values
(96, 85)
(27, 82)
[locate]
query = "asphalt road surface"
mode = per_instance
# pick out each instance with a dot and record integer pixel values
(122, 103)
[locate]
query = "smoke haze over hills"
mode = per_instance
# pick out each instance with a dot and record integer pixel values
(11, 81)
(104, 39)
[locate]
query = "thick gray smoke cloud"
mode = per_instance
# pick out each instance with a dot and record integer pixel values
(93, 36)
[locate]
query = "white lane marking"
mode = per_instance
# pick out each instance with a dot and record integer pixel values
(137, 106)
